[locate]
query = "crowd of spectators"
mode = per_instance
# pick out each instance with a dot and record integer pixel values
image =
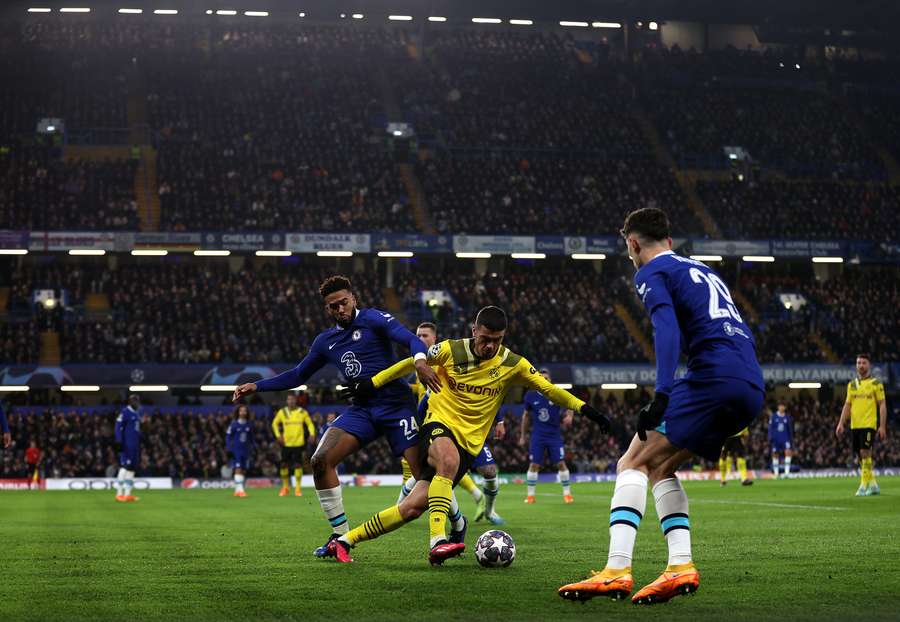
(806, 210)
(190, 441)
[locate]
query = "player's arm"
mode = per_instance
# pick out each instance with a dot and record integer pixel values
(882, 411)
(278, 426)
(399, 334)
(845, 414)
(311, 363)
(4, 429)
(500, 427)
(438, 355)
(523, 433)
(120, 430)
(771, 428)
(533, 380)
(667, 346)
(310, 428)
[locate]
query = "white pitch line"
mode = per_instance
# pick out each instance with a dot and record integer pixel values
(789, 506)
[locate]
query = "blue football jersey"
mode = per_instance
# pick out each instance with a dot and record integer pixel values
(239, 439)
(713, 334)
(780, 428)
(128, 428)
(359, 351)
(545, 415)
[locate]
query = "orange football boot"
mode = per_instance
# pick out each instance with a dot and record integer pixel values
(529, 499)
(131, 498)
(284, 491)
(568, 499)
(298, 492)
(121, 498)
(615, 583)
(240, 493)
(674, 581)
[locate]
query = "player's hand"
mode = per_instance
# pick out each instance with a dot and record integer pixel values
(568, 418)
(882, 434)
(427, 376)
(500, 431)
(839, 430)
(280, 440)
(357, 390)
(594, 415)
(651, 415)
(7, 440)
(241, 391)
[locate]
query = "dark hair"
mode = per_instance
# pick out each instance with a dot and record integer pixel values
(237, 410)
(492, 318)
(335, 284)
(864, 355)
(430, 325)
(648, 222)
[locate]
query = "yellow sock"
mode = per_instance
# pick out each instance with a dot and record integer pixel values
(407, 472)
(298, 477)
(872, 481)
(468, 484)
(723, 468)
(742, 467)
(866, 471)
(385, 521)
(285, 482)
(439, 493)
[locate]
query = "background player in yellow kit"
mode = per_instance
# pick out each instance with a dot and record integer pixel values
(866, 408)
(291, 426)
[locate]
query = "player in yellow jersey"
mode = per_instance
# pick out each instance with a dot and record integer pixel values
(475, 375)
(293, 428)
(427, 332)
(866, 409)
(734, 448)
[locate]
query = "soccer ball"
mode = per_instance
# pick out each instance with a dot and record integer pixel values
(495, 549)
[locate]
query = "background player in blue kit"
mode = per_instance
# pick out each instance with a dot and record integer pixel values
(781, 439)
(359, 345)
(692, 311)
(546, 439)
(240, 443)
(128, 439)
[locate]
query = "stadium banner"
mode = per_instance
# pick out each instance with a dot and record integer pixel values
(20, 483)
(106, 483)
(807, 248)
(13, 239)
(167, 240)
(593, 244)
(65, 240)
(314, 242)
(499, 244)
(412, 242)
(731, 248)
(244, 241)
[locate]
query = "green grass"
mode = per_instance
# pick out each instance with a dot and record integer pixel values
(203, 555)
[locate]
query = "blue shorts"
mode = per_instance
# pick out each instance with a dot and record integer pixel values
(703, 413)
(368, 423)
(546, 445)
(483, 459)
(779, 447)
(130, 459)
(240, 462)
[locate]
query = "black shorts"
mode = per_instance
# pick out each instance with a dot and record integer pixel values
(427, 433)
(863, 438)
(293, 455)
(734, 446)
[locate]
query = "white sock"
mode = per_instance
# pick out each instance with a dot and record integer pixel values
(332, 502)
(120, 482)
(775, 465)
(787, 466)
(672, 509)
(531, 479)
(239, 483)
(405, 489)
(564, 480)
(129, 482)
(491, 488)
(455, 515)
(477, 494)
(627, 507)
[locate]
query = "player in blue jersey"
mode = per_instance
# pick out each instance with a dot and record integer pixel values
(781, 439)
(240, 443)
(692, 311)
(546, 439)
(128, 440)
(360, 345)
(4, 429)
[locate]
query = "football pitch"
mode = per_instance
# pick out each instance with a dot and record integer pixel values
(785, 550)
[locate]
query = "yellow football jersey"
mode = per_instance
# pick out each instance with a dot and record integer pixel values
(293, 421)
(863, 396)
(419, 389)
(473, 389)
(743, 433)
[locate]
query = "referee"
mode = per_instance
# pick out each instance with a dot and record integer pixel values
(867, 410)
(293, 428)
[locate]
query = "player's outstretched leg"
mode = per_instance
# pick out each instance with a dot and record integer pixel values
(469, 485)
(626, 510)
(333, 448)
(407, 487)
(680, 576)
(439, 499)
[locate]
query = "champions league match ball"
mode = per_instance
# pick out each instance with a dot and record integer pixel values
(495, 549)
